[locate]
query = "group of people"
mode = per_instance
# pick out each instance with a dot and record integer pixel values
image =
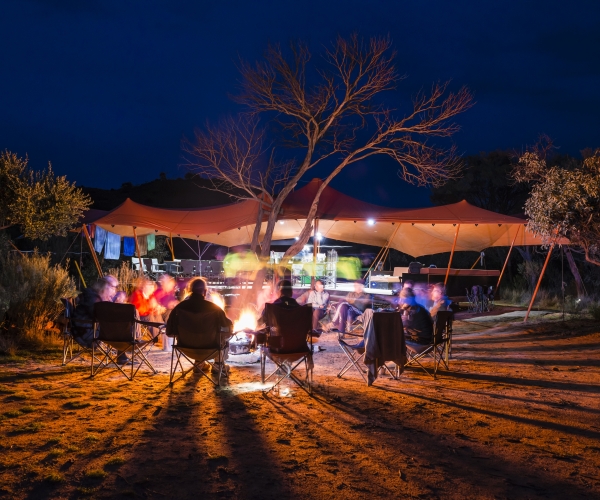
(160, 303)
(152, 302)
(418, 303)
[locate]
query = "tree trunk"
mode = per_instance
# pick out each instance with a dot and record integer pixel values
(257, 228)
(573, 266)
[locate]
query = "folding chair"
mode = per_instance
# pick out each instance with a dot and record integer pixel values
(355, 354)
(439, 349)
(200, 339)
(387, 334)
(289, 344)
(72, 348)
(115, 331)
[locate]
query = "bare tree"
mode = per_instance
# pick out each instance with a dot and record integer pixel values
(232, 156)
(333, 116)
(330, 110)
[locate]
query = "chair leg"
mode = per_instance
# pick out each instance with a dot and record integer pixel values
(171, 373)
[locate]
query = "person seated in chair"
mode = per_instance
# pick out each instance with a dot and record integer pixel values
(285, 299)
(286, 293)
(440, 300)
(356, 304)
(196, 302)
(417, 322)
(103, 290)
(319, 299)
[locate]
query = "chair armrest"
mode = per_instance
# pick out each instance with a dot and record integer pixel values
(151, 323)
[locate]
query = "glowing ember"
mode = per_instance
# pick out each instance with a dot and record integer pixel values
(247, 321)
(217, 299)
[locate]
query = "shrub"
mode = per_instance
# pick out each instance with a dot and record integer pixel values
(127, 277)
(594, 310)
(30, 293)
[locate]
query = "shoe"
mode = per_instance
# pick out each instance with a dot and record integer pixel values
(123, 359)
(226, 369)
(201, 368)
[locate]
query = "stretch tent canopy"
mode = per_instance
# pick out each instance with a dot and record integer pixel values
(415, 232)
(232, 221)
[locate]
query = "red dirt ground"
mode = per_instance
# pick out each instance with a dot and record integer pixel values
(516, 417)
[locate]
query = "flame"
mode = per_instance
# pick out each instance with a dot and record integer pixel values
(246, 321)
(217, 299)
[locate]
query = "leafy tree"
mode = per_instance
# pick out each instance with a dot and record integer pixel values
(486, 183)
(42, 203)
(564, 200)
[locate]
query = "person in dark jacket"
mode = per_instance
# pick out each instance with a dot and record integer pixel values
(82, 328)
(418, 326)
(196, 302)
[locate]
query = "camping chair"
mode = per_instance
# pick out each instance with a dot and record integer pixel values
(355, 352)
(72, 348)
(439, 349)
(287, 345)
(200, 339)
(388, 335)
(115, 329)
(471, 301)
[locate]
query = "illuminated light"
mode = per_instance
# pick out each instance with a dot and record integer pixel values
(296, 238)
(280, 222)
(371, 222)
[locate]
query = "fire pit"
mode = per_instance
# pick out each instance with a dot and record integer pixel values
(242, 342)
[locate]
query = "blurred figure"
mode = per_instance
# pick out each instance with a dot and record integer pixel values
(422, 295)
(102, 290)
(113, 283)
(356, 304)
(165, 295)
(120, 298)
(408, 284)
(440, 300)
(286, 293)
(319, 299)
(266, 295)
(417, 322)
(145, 303)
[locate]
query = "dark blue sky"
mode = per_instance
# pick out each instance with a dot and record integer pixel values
(106, 90)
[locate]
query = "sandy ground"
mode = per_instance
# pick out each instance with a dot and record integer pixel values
(517, 416)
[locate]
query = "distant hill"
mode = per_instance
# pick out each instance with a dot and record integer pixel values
(190, 192)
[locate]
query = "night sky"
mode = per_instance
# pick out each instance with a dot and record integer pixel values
(106, 90)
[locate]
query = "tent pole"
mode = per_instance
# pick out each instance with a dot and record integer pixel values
(451, 254)
(15, 247)
(537, 287)
(382, 252)
(171, 246)
(137, 249)
(89, 240)
(313, 278)
(507, 257)
(476, 261)
(80, 275)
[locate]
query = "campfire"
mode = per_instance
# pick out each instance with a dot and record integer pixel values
(247, 321)
(217, 298)
(244, 328)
